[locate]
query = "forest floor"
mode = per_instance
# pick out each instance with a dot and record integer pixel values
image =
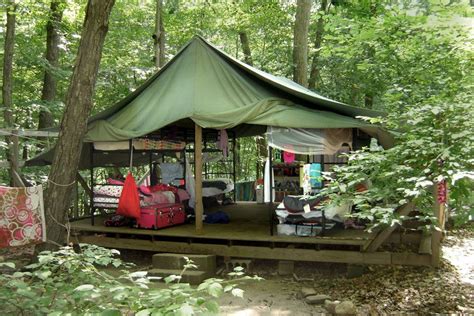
(380, 290)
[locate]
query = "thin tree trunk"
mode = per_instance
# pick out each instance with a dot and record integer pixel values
(52, 56)
(313, 77)
(244, 41)
(159, 36)
(7, 89)
(74, 123)
(369, 95)
(300, 42)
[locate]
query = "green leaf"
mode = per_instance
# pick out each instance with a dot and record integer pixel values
(143, 312)
(185, 310)
(84, 287)
(238, 292)
(44, 275)
(138, 274)
(215, 289)
(112, 312)
(7, 264)
(212, 306)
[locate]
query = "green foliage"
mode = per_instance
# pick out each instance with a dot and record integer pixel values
(435, 142)
(66, 282)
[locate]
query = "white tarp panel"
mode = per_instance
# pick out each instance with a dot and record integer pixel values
(309, 141)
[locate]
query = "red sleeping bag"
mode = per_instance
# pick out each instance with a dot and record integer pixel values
(129, 202)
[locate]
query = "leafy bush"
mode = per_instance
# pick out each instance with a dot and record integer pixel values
(69, 282)
(435, 142)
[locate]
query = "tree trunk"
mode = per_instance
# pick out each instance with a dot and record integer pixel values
(369, 95)
(52, 55)
(74, 123)
(244, 40)
(159, 36)
(7, 89)
(313, 77)
(300, 42)
(369, 100)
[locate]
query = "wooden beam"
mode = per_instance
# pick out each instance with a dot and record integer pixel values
(295, 254)
(6, 164)
(410, 258)
(373, 245)
(436, 235)
(28, 133)
(198, 208)
(84, 185)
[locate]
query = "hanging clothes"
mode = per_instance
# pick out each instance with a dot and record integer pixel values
(222, 142)
(288, 157)
(22, 219)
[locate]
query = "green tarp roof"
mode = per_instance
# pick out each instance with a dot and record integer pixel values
(204, 84)
(215, 90)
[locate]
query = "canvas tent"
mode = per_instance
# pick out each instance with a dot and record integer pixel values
(204, 85)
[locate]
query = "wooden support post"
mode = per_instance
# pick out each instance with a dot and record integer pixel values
(198, 208)
(234, 162)
(438, 212)
(84, 185)
(425, 245)
(384, 234)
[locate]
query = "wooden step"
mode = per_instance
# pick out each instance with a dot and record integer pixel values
(189, 276)
(176, 261)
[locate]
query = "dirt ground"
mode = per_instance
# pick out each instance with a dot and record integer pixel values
(380, 290)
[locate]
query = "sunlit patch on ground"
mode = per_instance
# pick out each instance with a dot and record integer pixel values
(459, 251)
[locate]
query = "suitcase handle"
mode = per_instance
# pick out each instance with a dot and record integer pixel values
(171, 215)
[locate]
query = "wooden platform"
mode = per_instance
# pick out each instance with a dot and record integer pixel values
(246, 236)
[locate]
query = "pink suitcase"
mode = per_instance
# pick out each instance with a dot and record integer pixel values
(161, 216)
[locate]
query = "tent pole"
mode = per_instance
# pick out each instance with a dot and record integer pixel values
(91, 198)
(234, 161)
(198, 208)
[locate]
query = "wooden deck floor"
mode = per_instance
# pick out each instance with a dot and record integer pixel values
(249, 222)
(238, 230)
(246, 236)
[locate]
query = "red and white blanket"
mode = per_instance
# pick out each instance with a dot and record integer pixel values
(22, 219)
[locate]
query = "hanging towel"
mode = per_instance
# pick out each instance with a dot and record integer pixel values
(222, 140)
(22, 220)
(315, 175)
(129, 202)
